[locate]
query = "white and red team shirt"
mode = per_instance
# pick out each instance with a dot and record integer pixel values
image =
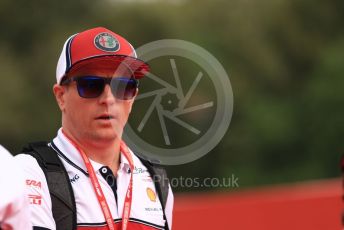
(14, 205)
(146, 210)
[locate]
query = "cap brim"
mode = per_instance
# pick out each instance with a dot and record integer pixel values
(109, 64)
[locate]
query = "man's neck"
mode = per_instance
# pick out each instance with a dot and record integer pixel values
(108, 155)
(103, 152)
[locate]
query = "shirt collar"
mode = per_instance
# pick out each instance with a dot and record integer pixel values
(68, 149)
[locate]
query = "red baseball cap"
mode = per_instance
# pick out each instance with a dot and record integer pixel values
(98, 48)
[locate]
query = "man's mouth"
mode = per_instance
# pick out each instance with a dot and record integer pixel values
(105, 117)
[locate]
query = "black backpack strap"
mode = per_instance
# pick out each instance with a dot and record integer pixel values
(161, 182)
(60, 189)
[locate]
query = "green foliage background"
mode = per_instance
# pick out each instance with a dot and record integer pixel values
(284, 57)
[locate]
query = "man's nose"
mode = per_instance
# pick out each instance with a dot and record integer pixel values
(107, 96)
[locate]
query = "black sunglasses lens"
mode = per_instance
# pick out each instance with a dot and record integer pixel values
(90, 87)
(124, 88)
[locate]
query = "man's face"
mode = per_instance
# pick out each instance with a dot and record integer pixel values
(93, 119)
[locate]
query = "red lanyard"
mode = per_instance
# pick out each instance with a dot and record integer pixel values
(99, 192)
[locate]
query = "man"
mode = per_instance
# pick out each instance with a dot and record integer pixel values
(97, 82)
(14, 206)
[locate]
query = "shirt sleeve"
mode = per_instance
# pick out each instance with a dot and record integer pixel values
(38, 193)
(169, 207)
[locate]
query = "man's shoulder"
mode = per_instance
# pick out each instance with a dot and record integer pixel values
(39, 151)
(29, 165)
(141, 159)
(26, 159)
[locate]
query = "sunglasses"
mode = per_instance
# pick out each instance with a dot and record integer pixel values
(123, 88)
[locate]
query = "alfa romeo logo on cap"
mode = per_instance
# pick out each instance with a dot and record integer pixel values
(106, 42)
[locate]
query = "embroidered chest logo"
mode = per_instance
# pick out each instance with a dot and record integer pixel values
(139, 170)
(106, 42)
(151, 194)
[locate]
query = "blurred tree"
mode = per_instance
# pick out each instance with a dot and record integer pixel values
(284, 59)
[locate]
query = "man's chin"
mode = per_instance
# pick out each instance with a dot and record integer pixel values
(106, 134)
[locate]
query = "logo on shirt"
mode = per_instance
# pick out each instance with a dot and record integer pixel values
(34, 184)
(74, 179)
(35, 199)
(138, 170)
(151, 194)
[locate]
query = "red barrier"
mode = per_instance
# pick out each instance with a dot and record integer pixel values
(315, 205)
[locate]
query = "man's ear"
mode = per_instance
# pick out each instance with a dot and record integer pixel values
(59, 92)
